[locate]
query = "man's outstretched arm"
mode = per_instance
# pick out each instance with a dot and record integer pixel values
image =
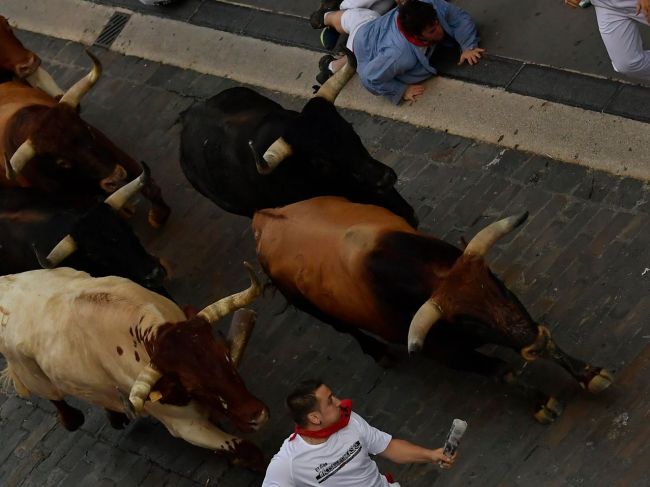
(402, 451)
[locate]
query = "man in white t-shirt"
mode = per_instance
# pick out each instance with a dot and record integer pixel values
(331, 445)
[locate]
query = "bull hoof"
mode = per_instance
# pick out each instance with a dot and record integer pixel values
(600, 382)
(549, 412)
(72, 419)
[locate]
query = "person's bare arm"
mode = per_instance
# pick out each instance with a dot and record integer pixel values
(402, 451)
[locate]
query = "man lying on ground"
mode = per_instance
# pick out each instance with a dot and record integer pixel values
(392, 50)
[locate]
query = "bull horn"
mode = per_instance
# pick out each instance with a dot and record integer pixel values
(333, 86)
(221, 308)
(141, 388)
(25, 153)
(422, 321)
(42, 80)
(66, 247)
(486, 238)
(75, 93)
(122, 196)
(239, 333)
(274, 155)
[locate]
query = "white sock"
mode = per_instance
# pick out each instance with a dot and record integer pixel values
(330, 66)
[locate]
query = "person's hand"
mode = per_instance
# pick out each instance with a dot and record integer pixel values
(472, 56)
(572, 3)
(412, 92)
(643, 6)
(443, 460)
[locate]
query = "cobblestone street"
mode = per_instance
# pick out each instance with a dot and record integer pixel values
(580, 264)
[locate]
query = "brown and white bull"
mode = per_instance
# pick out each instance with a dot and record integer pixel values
(363, 267)
(45, 144)
(16, 62)
(106, 339)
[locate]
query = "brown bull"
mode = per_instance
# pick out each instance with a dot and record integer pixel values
(48, 146)
(363, 267)
(18, 62)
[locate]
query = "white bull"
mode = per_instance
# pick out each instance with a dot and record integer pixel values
(106, 339)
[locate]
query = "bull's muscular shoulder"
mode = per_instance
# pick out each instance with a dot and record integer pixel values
(333, 212)
(16, 96)
(238, 99)
(63, 284)
(15, 92)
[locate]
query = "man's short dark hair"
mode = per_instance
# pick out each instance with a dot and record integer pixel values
(415, 16)
(302, 401)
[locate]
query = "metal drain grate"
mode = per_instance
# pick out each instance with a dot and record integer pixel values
(112, 29)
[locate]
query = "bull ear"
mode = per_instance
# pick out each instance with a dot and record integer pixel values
(333, 86)
(239, 333)
(122, 196)
(221, 308)
(486, 238)
(422, 321)
(76, 92)
(25, 153)
(42, 80)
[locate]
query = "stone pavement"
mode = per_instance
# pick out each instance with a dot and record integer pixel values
(580, 264)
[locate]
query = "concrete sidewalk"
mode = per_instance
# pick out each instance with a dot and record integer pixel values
(596, 140)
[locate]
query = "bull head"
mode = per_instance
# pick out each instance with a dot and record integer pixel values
(26, 152)
(280, 149)
(431, 311)
(238, 337)
(67, 246)
(14, 57)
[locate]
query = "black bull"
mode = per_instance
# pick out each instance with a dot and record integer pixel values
(32, 223)
(224, 138)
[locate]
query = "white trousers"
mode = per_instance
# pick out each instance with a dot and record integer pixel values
(354, 18)
(359, 12)
(619, 28)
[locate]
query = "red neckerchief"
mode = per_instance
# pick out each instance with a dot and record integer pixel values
(346, 412)
(410, 38)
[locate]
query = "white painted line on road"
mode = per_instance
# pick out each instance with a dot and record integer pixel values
(600, 141)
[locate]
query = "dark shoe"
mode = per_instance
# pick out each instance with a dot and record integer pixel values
(325, 72)
(317, 18)
(328, 38)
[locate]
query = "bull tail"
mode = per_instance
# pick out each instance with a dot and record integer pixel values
(8, 379)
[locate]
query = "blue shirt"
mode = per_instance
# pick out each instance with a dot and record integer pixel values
(387, 62)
